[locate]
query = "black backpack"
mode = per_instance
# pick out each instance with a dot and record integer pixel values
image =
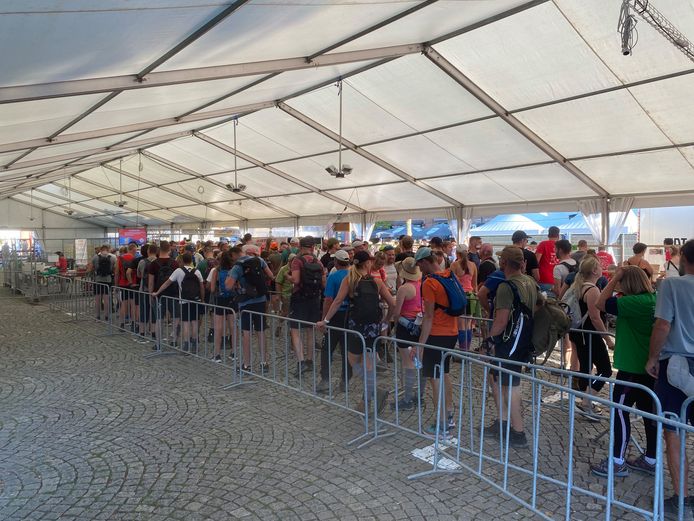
(190, 285)
(165, 271)
(103, 267)
(571, 267)
(364, 304)
(311, 278)
(254, 281)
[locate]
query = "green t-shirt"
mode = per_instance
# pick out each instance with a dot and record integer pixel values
(284, 285)
(527, 291)
(635, 317)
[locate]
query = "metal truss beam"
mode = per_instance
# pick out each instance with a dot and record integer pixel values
(365, 154)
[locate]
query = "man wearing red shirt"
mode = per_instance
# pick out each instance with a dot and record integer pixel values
(606, 259)
(127, 307)
(547, 259)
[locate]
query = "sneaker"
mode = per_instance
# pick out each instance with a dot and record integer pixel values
(210, 336)
(246, 368)
(264, 367)
(671, 508)
(381, 399)
(217, 359)
(403, 405)
(450, 422)
(301, 368)
(431, 429)
(641, 465)
(323, 387)
(517, 439)
(308, 364)
(602, 469)
(492, 430)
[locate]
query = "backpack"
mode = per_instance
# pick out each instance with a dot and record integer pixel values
(457, 300)
(311, 278)
(571, 267)
(571, 305)
(519, 332)
(550, 324)
(254, 281)
(103, 267)
(222, 290)
(165, 271)
(364, 303)
(145, 271)
(209, 264)
(190, 285)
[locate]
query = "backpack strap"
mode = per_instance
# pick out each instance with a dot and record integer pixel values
(517, 302)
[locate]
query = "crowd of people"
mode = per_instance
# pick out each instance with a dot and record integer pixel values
(430, 296)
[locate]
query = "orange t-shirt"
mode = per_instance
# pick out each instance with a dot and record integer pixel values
(432, 291)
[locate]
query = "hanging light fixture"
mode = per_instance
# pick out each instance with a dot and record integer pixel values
(31, 206)
(236, 187)
(69, 210)
(342, 170)
(120, 203)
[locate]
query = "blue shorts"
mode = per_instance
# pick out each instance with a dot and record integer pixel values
(671, 398)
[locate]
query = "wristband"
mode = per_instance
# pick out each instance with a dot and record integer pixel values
(326, 321)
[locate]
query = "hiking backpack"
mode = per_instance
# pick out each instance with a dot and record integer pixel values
(190, 285)
(222, 290)
(457, 300)
(164, 273)
(519, 331)
(571, 304)
(364, 303)
(550, 324)
(103, 267)
(254, 281)
(311, 278)
(571, 267)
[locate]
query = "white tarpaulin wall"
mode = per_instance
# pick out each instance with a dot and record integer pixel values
(451, 108)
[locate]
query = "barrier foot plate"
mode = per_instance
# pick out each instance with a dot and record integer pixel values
(432, 472)
(383, 433)
(157, 354)
(237, 384)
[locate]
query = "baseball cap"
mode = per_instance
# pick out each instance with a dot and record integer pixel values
(190, 247)
(388, 247)
(341, 255)
(513, 254)
(356, 244)
(361, 257)
(461, 248)
(423, 253)
(307, 242)
(410, 270)
(519, 236)
(294, 240)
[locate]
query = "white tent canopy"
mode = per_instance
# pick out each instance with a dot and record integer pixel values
(508, 106)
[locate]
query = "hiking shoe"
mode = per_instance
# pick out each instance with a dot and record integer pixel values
(493, 429)
(588, 413)
(641, 465)
(381, 399)
(671, 508)
(217, 359)
(602, 469)
(517, 439)
(403, 405)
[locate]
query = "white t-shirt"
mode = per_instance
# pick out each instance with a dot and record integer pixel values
(179, 274)
(391, 277)
(671, 270)
(210, 274)
(561, 271)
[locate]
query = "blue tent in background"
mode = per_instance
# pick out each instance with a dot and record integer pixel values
(507, 224)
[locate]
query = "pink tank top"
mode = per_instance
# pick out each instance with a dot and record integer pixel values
(466, 282)
(412, 306)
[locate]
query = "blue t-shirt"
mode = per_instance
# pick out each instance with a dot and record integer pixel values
(332, 287)
(674, 304)
(237, 275)
(492, 284)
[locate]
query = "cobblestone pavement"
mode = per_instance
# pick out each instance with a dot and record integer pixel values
(89, 430)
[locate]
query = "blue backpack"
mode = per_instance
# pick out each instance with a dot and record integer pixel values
(221, 280)
(457, 300)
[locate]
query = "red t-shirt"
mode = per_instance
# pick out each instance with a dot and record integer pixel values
(62, 264)
(606, 260)
(547, 261)
(124, 262)
(297, 264)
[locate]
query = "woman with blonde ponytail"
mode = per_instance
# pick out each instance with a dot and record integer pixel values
(591, 348)
(364, 317)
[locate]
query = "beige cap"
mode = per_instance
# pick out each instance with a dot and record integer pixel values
(410, 270)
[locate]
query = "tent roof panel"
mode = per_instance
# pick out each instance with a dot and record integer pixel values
(153, 172)
(86, 187)
(165, 199)
(207, 214)
(260, 31)
(552, 181)
(488, 144)
(198, 156)
(252, 209)
(112, 40)
(36, 201)
(474, 189)
(540, 65)
(400, 196)
(260, 183)
(308, 204)
(74, 148)
(611, 122)
(646, 172)
(201, 191)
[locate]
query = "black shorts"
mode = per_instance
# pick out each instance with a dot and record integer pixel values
(126, 293)
(432, 357)
(367, 331)
(671, 398)
(252, 321)
(307, 310)
(404, 338)
(188, 310)
(147, 310)
(520, 355)
(167, 305)
(224, 306)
